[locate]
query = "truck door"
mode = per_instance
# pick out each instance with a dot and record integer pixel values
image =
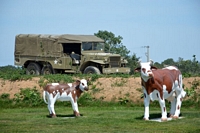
(72, 50)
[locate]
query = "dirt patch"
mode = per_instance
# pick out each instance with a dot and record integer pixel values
(114, 89)
(107, 89)
(13, 87)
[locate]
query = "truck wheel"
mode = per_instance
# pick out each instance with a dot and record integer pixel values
(47, 70)
(33, 69)
(91, 70)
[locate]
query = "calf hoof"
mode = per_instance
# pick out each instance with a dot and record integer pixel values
(146, 119)
(175, 117)
(163, 119)
(171, 116)
(76, 114)
(52, 115)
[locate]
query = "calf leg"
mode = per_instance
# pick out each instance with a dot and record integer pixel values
(53, 114)
(173, 107)
(48, 106)
(163, 109)
(51, 106)
(146, 105)
(180, 94)
(75, 108)
(178, 105)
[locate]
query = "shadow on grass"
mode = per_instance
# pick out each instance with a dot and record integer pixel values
(154, 115)
(65, 116)
(151, 116)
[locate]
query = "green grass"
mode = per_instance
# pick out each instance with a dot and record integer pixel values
(94, 119)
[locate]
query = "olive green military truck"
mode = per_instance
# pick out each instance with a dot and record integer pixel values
(50, 54)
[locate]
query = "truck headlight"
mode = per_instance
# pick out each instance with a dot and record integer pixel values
(125, 61)
(105, 59)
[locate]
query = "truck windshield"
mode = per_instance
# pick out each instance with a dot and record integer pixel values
(92, 46)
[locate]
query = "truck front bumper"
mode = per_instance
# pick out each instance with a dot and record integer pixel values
(116, 70)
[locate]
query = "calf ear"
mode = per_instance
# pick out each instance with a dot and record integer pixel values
(78, 82)
(139, 62)
(138, 69)
(151, 62)
(153, 68)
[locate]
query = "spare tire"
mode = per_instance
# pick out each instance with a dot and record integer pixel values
(33, 69)
(91, 70)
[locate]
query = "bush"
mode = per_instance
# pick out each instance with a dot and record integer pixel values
(59, 78)
(28, 97)
(13, 73)
(5, 101)
(192, 94)
(5, 96)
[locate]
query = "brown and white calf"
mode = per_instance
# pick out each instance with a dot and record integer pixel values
(161, 84)
(64, 92)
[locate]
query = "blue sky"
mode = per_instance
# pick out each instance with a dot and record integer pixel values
(171, 28)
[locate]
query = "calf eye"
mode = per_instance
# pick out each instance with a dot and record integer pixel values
(83, 84)
(143, 69)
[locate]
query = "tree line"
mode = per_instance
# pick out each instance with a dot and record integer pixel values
(113, 44)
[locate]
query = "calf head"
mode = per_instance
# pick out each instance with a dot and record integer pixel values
(82, 84)
(146, 70)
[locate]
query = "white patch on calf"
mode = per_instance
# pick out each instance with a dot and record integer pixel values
(153, 95)
(65, 97)
(171, 68)
(54, 84)
(171, 97)
(70, 84)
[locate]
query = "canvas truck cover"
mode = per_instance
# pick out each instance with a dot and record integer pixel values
(47, 45)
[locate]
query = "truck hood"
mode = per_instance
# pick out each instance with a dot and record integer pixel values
(100, 54)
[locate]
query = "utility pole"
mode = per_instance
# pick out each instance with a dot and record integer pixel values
(147, 53)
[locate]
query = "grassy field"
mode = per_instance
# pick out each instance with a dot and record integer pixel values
(94, 120)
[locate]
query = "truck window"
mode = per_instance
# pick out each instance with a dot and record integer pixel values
(68, 48)
(98, 46)
(86, 46)
(92, 46)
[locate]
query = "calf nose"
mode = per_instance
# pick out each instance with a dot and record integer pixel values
(150, 73)
(86, 88)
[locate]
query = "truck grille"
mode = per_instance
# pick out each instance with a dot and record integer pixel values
(115, 61)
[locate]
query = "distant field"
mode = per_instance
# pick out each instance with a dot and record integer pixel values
(94, 120)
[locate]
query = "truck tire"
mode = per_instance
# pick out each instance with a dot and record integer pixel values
(91, 70)
(33, 69)
(47, 70)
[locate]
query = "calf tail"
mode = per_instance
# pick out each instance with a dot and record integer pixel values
(183, 93)
(44, 97)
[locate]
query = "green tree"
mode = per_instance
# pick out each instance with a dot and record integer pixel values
(158, 65)
(113, 44)
(189, 67)
(133, 62)
(168, 62)
(195, 65)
